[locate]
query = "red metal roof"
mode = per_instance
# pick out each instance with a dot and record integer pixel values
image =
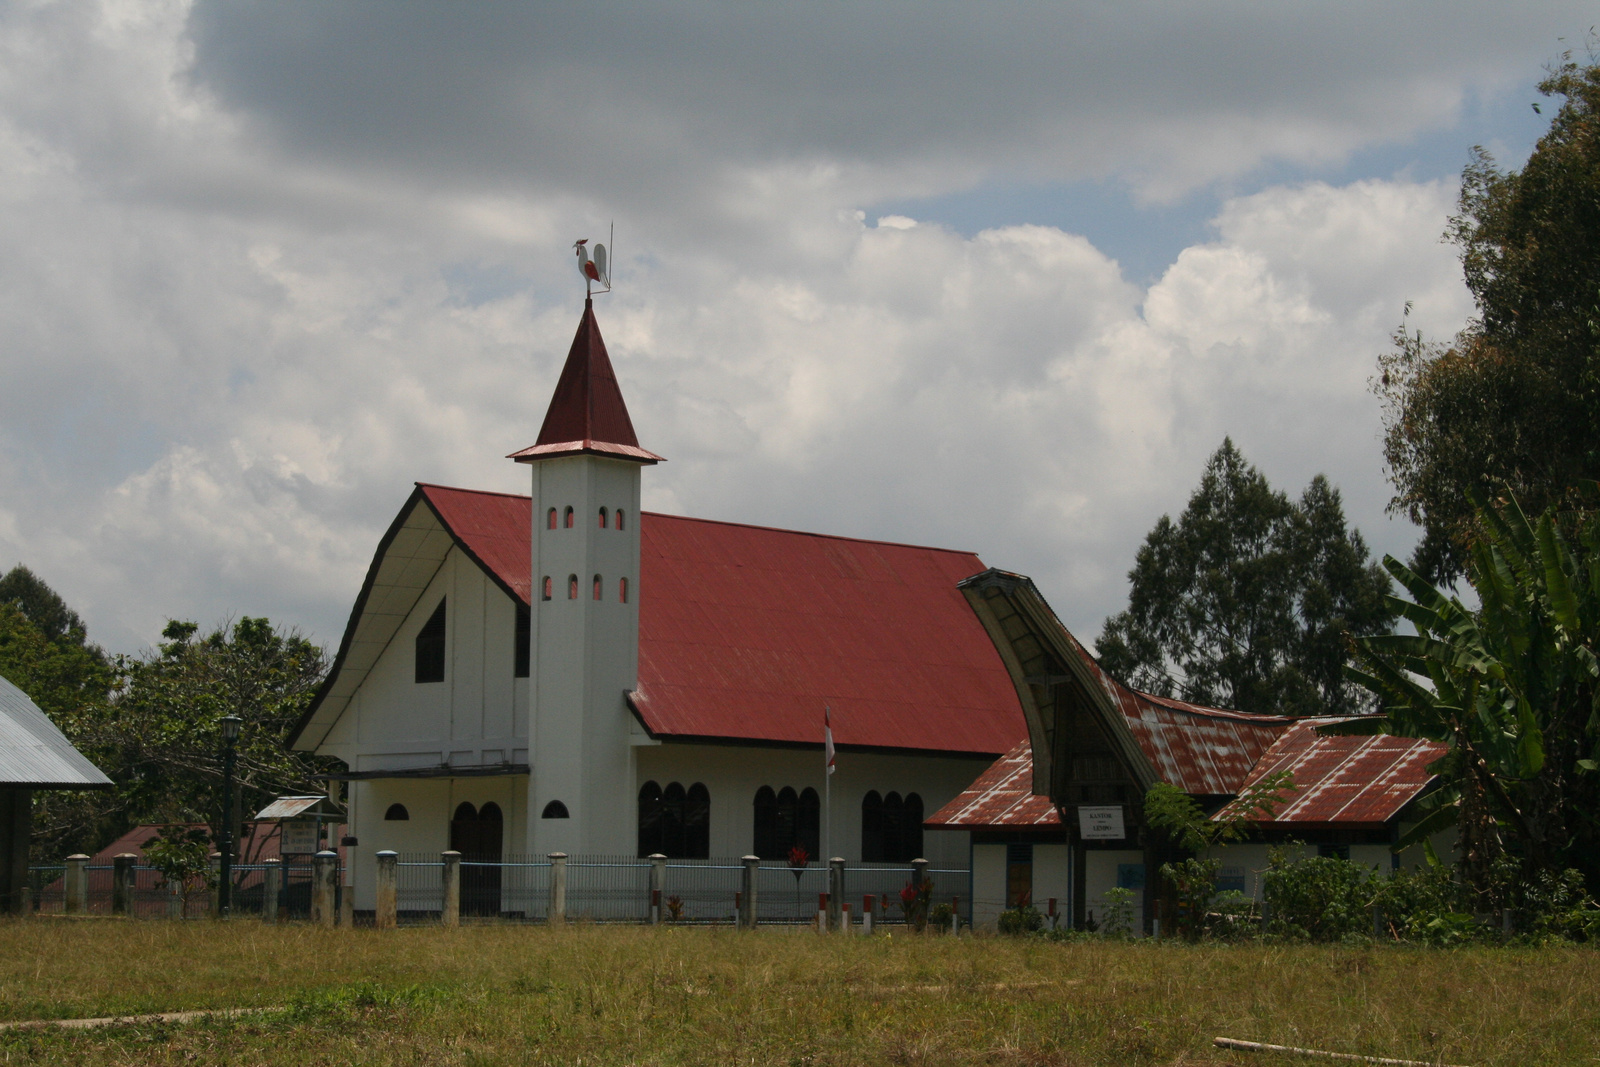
(1346, 781)
(587, 413)
(1001, 798)
(745, 632)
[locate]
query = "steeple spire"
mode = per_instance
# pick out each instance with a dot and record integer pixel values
(587, 415)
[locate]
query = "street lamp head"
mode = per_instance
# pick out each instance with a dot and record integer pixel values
(230, 727)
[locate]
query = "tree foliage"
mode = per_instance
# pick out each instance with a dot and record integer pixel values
(1515, 400)
(1244, 601)
(1512, 691)
(151, 721)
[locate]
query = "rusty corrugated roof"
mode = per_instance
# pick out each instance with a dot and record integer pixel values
(745, 632)
(1001, 798)
(587, 413)
(1346, 781)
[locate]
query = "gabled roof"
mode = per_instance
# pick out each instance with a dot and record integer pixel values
(34, 753)
(1351, 782)
(745, 632)
(1002, 797)
(587, 415)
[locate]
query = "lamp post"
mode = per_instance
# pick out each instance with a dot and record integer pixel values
(230, 734)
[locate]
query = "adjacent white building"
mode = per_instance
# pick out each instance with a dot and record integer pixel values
(565, 672)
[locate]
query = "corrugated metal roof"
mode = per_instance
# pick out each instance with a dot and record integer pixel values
(587, 413)
(745, 632)
(289, 807)
(1346, 781)
(34, 753)
(1001, 798)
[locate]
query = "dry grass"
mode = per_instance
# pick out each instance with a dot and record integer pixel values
(483, 995)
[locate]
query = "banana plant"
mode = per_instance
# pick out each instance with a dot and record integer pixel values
(1511, 688)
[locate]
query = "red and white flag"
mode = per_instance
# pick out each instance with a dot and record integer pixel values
(827, 738)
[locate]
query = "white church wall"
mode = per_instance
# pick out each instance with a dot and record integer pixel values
(733, 773)
(469, 719)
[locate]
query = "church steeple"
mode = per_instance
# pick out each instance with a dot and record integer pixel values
(587, 415)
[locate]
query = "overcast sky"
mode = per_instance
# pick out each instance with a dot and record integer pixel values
(990, 277)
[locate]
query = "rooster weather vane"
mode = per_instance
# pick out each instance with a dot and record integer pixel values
(595, 266)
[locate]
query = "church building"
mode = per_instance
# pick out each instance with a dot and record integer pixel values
(564, 672)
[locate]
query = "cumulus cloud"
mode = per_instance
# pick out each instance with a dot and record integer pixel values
(265, 267)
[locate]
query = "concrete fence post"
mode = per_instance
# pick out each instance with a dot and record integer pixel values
(747, 892)
(919, 872)
(836, 893)
(324, 887)
(271, 890)
(868, 904)
(558, 888)
(214, 887)
(122, 883)
(658, 885)
(386, 915)
(76, 884)
(451, 913)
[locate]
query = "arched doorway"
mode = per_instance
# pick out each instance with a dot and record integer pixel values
(477, 835)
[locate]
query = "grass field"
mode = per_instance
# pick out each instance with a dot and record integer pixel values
(628, 995)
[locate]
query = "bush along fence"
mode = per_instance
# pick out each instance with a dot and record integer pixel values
(418, 888)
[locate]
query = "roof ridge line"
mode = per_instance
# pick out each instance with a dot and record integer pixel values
(812, 533)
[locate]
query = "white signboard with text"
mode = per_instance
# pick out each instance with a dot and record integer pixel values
(1101, 823)
(299, 837)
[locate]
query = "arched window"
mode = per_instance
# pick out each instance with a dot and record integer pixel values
(785, 819)
(569, 516)
(597, 587)
(547, 585)
(555, 810)
(397, 813)
(550, 519)
(675, 822)
(572, 587)
(430, 647)
(622, 590)
(620, 514)
(602, 518)
(522, 649)
(891, 828)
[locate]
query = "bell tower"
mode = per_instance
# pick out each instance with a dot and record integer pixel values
(585, 615)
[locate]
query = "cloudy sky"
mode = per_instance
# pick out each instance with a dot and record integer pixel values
(991, 277)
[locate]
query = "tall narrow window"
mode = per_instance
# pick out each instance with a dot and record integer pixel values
(569, 516)
(602, 518)
(674, 821)
(523, 651)
(891, 828)
(872, 828)
(622, 590)
(597, 587)
(785, 819)
(620, 514)
(550, 519)
(430, 647)
(572, 587)
(547, 584)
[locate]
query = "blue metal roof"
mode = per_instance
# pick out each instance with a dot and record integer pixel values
(34, 753)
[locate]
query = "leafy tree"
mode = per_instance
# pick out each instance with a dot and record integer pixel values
(1245, 600)
(1515, 400)
(41, 605)
(1513, 692)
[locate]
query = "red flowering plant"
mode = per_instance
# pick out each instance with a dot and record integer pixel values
(798, 858)
(914, 901)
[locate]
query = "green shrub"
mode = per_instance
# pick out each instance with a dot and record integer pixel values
(1117, 914)
(1024, 919)
(1317, 898)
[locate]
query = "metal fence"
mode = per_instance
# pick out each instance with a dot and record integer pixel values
(150, 896)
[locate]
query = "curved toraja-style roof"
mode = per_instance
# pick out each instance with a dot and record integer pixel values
(745, 632)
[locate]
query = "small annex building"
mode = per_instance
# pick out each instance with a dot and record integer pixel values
(562, 672)
(1059, 816)
(34, 754)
